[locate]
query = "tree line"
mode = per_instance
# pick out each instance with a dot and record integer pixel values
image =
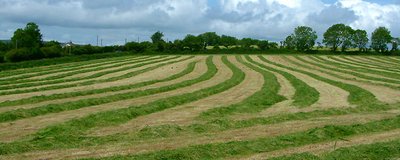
(343, 37)
(27, 43)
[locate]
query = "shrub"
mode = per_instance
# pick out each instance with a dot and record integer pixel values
(16, 55)
(21, 54)
(51, 52)
(1, 57)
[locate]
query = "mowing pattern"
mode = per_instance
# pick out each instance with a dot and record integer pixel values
(203, 107)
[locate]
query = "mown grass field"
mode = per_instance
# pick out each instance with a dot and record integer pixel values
(203, 107)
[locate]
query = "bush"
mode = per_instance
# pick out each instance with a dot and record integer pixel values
(22, 54)
(51, 52)
(136, 47)
(16, 55)
(1, 57)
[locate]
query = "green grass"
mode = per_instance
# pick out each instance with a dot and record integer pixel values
(71, 133)
(61, 60)
(89, 82)
(55, 108)
(37, 99)
(380, 61)
(358, 96)
(346, 60)
(267, 96)
(369, 79)
(70, 71)
(358, 69)
(304, 95)
(375, 151)
(259, 145)
(56, 79)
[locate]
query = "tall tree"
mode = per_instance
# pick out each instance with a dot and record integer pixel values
(209, 39)
(29, 37)
(304, 38)
(395, 44)
(193, 42)
(157, 37)
(347, 38)
(228, 41)
(333, 36)
(263, 44)
(289, 42)
(380, 39)
(158, 42)
(360, 39)
(248, 42)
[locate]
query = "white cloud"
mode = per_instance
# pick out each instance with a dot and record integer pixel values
(81, 20)
(372, 15)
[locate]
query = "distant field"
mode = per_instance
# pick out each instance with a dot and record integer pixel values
(203, 107)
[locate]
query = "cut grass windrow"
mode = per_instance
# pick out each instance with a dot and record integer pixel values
(304, 95)
(55, 108)
(38, 99)
(266, 97)
(38, 71)
(368, 79)
(358, 69)
(379, 150)
(56, 79)
(71, 133)
(353, 61)
(378, 61)
(127, 75)
(248, 147)
(358, 96)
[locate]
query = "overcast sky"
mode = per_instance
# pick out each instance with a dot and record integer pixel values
(114, 20)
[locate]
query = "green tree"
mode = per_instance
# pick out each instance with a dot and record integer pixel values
(380, 39)
(157, 37)
(228, 41)
(248, 42)
(263, 44)
(194, 43)
(360, 39)
(29, 37)
(347, 37)
(158, 42)
(395, 44)
(333, 36)
(289, 42)
(209, 39)
(304, 38)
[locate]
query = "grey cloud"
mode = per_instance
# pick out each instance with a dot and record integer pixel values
(115, 20)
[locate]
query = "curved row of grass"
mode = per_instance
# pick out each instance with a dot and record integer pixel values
(363, 99)
(368, 79)
(382, 62)
(67, 66)
(55, 108)
(268, 144)
(38, 99)
(61, 78)
(346, 60)
(61, 136)
(127, 75)
(266, 97)
(379, 150)
(367, 62)
(70, 71)
(357, 69)
(358, 96)
(304, 96)
(72, 133)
